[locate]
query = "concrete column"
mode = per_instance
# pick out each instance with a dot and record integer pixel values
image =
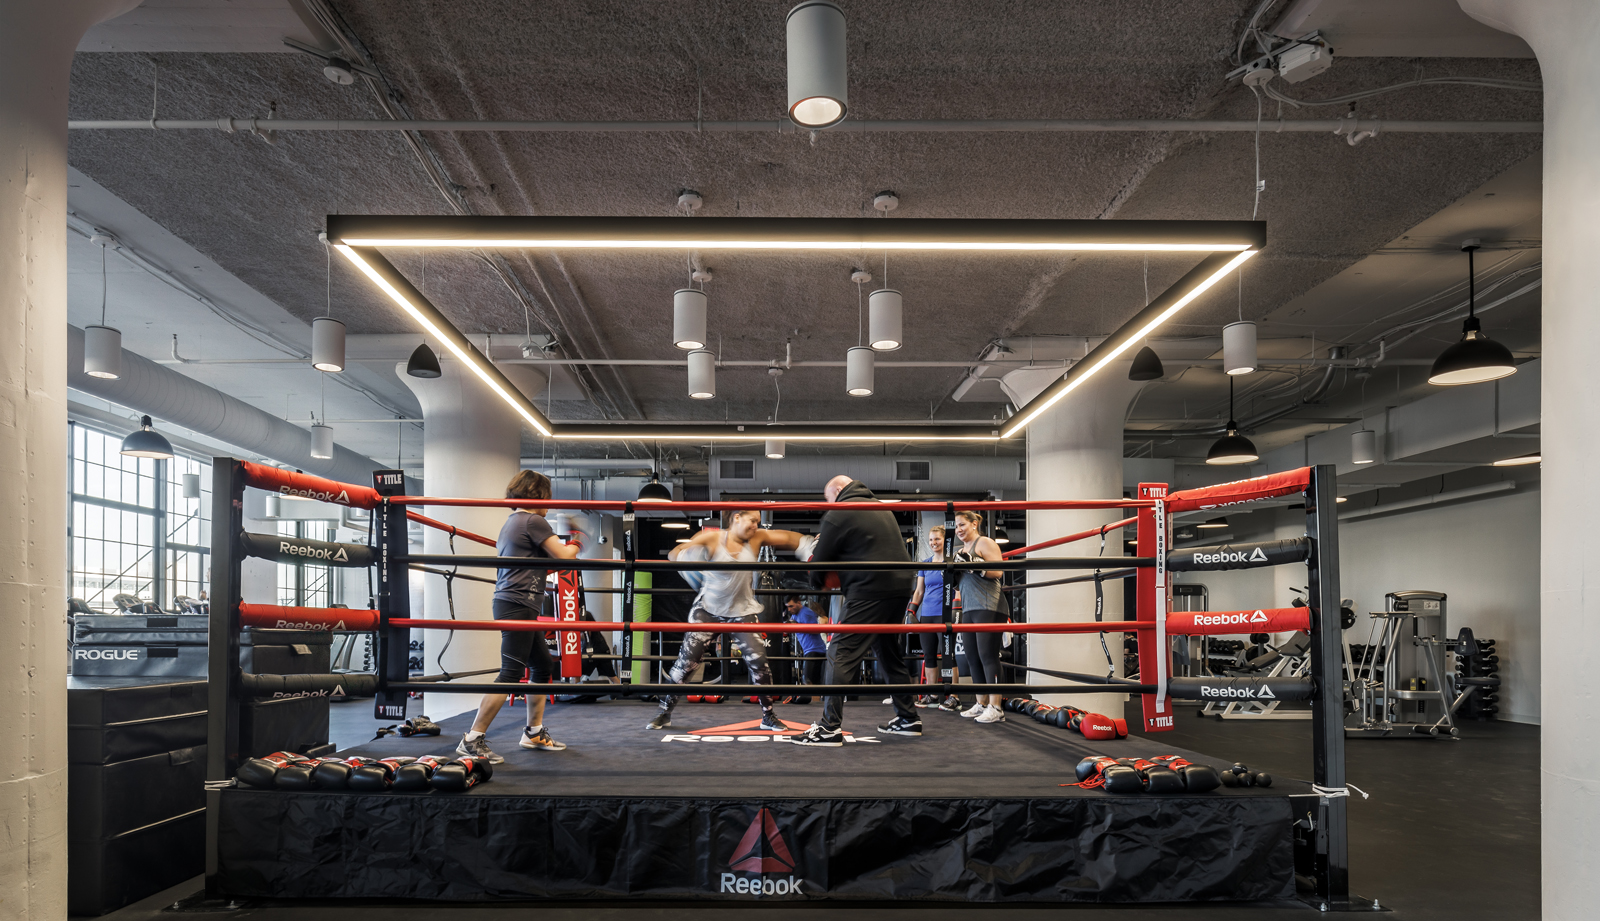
(36, 47)
(471, 448)
(1563, 34)
(1075, 452)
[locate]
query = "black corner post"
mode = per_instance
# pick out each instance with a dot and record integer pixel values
(630, 555)
(223, 697)
(947, 600)
(394, 595)
(1332, 851)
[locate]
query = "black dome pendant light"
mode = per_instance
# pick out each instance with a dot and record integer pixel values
(1476, 358)
(423, 363)
(1146, 366)
(1232, 448)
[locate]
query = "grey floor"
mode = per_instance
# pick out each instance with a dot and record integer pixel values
(1451, 832)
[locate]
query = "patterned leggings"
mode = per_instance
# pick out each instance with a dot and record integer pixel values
(752, 646)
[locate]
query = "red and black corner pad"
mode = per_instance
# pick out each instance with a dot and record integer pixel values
(1268, 486)
(306, 486)
(292, 618)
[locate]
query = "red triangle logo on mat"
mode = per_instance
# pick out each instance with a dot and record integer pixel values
(752, 728)
(749, 859)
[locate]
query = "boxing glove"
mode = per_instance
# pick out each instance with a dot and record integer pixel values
(1122, 728)
(262, 772)
(1122, 778)
(334, 773)
(1097, 728)
(1197, 778)
(375, 777)
(1043, 714)
(414, 777)
(419, 726)
(460, 775)
(1061, 719)
(693, 553)
(299, 775)
(1091, 766)
(1158, 778)
(808, 546)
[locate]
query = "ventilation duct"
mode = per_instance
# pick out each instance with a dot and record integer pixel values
(146, 387)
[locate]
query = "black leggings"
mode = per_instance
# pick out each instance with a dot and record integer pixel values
(930, 645)
(522, 650)
(811, 667)
(751, 646)
(983, 649)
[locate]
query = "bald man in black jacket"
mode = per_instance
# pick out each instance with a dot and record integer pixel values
(861, 529)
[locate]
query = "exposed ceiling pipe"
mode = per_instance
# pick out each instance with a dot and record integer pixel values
(147, 387)
(1335, 126)
(1256, 421)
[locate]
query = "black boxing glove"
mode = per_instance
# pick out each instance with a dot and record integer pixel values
(414, 777)
(376, 776)
(461, 775)
(1158, 778)
(263, 772)
(419, 726)
(1197, 778)
(334, 773)
(1091, 766)
(1122, 778)
(299, 775)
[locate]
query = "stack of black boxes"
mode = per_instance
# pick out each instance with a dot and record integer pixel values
(284, 724)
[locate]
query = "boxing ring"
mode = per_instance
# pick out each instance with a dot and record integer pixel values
(729, 812)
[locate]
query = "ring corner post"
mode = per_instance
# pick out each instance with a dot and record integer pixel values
(223, 682)
(1155, 655)
(394, 596)
(1332, 857)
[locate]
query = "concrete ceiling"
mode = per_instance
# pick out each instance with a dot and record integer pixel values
(1338, 266)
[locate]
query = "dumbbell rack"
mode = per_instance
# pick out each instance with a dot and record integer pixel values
(1479, 668)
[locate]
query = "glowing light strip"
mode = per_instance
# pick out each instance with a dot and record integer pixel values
(467, 357)
(624, 432)
(1021, 421)
(851, 245)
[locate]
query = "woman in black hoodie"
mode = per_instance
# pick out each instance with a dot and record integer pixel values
(861, 529)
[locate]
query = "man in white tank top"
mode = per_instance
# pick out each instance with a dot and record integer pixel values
(729, 597)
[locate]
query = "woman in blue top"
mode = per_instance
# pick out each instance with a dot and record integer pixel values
(927, 604)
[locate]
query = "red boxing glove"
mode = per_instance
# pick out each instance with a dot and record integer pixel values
(1097, 728)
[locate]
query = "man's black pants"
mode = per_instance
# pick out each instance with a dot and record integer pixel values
(847, 651)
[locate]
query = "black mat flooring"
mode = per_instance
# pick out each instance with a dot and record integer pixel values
(714, 751)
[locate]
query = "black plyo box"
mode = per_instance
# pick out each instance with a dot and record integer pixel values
(117, 719)
(285, 652)
(293, 724)
(106, 874)
(140, 629)
(106, 800)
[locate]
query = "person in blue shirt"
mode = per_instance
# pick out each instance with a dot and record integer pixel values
(810, 645)
(927, 605)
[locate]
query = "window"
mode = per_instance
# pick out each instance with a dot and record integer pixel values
(307, 584)
(912, 470)
(132, 532)
(738, 469)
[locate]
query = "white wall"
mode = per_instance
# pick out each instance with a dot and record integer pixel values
(1483, 554)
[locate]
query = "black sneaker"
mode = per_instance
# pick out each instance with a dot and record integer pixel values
(951, 704)
(820, 737)
(924, 701)
(771, 723)
(478, 748)
(902, 727)
(663, 720)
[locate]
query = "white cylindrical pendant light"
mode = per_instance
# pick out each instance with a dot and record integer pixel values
(327, 345)
(321, 441)
(702, 375)
(858, 371)
(191, 485)
(1364, 447)
(273, 507)
(817, 76)
(1239, 347)
(775, 448)
(102, 352)
(883, 320)
(689, 319)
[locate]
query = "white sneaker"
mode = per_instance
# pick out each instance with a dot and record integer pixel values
(974, 711)
(888, 700)
(990, 715)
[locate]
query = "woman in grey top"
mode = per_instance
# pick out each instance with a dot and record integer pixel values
(519, 595)
(982, 602)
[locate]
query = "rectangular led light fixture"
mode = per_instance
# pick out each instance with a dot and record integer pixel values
(1227, 245)
(956, 234)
